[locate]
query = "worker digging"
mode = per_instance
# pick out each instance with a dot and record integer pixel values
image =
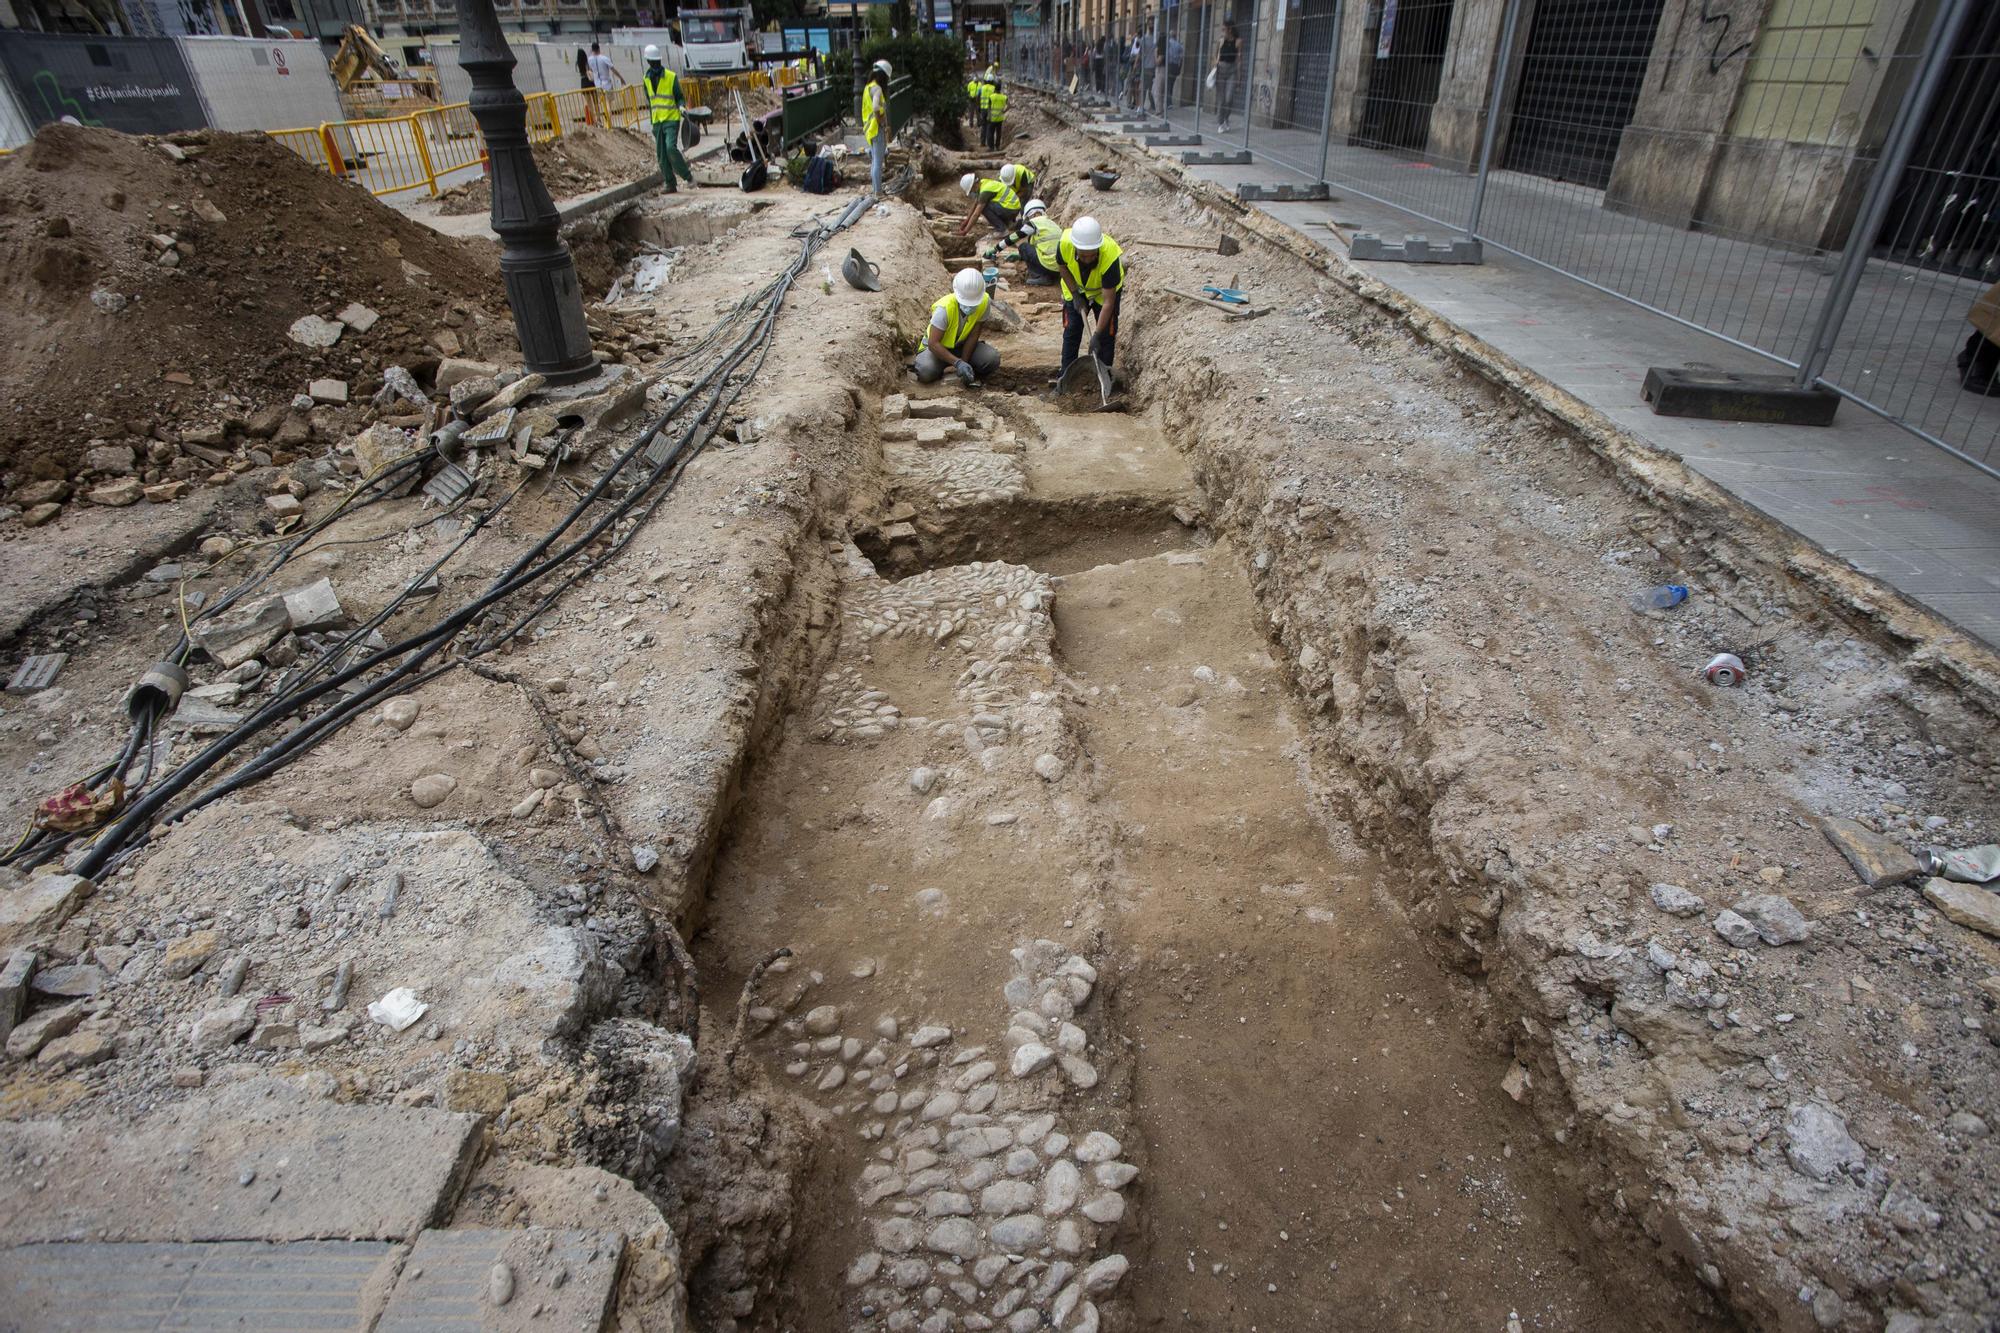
(590, 754)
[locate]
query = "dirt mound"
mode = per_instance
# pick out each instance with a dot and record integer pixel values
(586, 159)
(144, 280)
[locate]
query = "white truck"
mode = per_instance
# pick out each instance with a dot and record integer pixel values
(712, 41)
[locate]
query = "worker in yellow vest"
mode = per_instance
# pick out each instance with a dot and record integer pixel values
(1039, 237)
(875, 123)
(996, 113)
(663, 95)
(952, 340)
(991, 198)
(1017, 177)
(975, 101)
(1093, 278)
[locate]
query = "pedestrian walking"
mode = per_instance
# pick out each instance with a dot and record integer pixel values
(875, 123)
(602, 72)
(1149, 70)
(1225, 75)
(663, 98)
(1176, 53)
(585, 82)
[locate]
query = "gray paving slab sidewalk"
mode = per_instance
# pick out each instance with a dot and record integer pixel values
(330, 1285)
(1865, 490)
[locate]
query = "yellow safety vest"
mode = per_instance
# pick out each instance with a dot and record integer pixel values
(874, 110)
(960, 329)
(997, 192)
(1090, 285)
(1047, 239)
(996, 105)
(976, 91)
(1024, 181)
(664, 97)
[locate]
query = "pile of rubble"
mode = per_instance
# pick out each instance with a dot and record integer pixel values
(173, 298)
(584, 160)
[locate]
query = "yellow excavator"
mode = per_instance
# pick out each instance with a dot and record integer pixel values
(369, 81)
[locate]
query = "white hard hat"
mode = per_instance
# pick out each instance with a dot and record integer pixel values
(652, 52)
(1085, 234)
(883, 65)
(1033, 207)
(969, 287)
(1008, 172)
(967, 181)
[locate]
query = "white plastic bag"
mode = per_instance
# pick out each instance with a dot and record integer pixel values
(1210, 82)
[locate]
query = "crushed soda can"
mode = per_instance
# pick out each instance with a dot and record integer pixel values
(1725, 670)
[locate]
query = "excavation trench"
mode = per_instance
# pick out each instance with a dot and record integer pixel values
(1046, 847)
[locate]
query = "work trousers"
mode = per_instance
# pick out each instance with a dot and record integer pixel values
(984, 356)
(667, 148)
(1079, 318)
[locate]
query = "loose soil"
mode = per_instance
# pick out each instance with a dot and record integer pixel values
(1213, 839)
(263, 238)
(586, 159)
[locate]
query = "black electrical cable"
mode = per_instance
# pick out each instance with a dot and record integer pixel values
(424, 645)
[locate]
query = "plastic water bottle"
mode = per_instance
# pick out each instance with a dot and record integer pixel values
(1660, 598)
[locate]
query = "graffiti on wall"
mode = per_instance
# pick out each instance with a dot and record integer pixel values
(140, 85)
(1721, 23)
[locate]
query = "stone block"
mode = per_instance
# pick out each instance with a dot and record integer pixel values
(551, 1280)
(314, 606)
(313, 331)
(1969, 905)
(309, 1284)
(454, 370)
(1879, 861)
(234, 639)
(39, 907)
(320, 1168)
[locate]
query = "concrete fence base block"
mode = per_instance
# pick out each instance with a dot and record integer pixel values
(1239, 158)
(1251, 193)
(1173, 141)
(1714, 395)
(1146, 127)
(1416, 249)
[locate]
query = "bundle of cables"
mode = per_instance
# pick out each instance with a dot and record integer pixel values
(347, 678)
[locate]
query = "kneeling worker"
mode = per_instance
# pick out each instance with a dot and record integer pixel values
(1093, 277)
(1016, 177)
(953, 338)
(995, 199)
(1039, 238)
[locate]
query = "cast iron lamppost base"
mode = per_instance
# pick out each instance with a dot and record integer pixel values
(534, 263)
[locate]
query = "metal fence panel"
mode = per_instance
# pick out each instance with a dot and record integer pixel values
(1816, 186)
(248, 84)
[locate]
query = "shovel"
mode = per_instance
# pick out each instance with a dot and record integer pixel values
(1074, 378)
